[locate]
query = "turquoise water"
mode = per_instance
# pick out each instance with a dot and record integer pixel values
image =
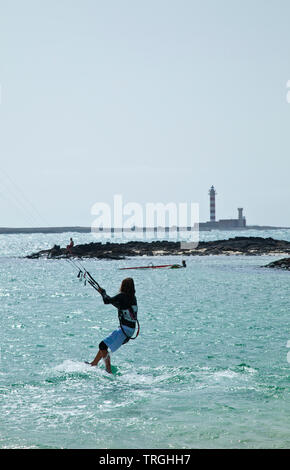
(208, 370)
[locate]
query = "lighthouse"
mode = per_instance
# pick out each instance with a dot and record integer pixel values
(212, 194)
(241, 219)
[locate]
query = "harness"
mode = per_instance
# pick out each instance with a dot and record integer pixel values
(130, 324)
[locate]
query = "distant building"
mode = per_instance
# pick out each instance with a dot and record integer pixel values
(222, 224)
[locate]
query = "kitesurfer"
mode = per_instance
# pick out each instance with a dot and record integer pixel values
(126, 303)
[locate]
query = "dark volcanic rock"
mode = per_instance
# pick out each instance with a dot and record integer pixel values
(283, 263)
(239, 245)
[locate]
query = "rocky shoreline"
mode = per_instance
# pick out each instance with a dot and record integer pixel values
(283, 263)
(251, 246)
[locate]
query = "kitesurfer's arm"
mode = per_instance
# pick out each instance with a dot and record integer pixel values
(116, 301)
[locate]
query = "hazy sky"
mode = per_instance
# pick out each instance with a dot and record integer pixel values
(154, 100)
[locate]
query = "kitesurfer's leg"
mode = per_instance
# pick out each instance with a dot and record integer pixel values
(97, 358)
(103, 354)
(107, 360)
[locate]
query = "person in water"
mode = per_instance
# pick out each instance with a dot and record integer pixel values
(126, 303)
(175, 266)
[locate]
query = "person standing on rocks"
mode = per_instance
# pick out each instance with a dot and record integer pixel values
(70, 246)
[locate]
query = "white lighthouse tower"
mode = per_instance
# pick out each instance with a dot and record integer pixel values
(212, 194)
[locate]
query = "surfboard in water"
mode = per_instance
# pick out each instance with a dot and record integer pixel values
(101, 367)
(153, 267)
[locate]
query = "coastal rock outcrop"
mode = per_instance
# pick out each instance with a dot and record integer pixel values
(251, 246)
(283, 263)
